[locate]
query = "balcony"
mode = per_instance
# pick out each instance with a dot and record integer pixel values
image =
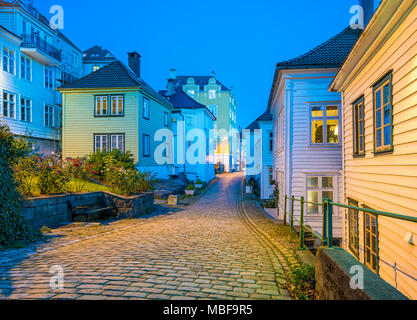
(40, 50)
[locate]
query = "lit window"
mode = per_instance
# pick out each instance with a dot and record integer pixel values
(9, 105)
(318, 189)
(383, 115)
(212, 94)
(191, 93)
(146, 108)
(25, 110)
(49, 116)
(95, 68)
(25, 68)
(101, 105)
(325, 124)
(8, 60)
(359, 127)
(117, 105)
(117, 142)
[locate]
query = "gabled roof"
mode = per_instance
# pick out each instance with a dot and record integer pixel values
(330, 54)
(266, 116)
(180, 100)
(114, 75)
(97, 53)
(201, 81)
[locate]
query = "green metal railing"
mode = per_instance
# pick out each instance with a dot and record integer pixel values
(328, 205)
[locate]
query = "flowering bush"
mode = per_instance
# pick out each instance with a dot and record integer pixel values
(79, 172)
(129, 182)
(51, 177)
(26, 172)
(103, 160)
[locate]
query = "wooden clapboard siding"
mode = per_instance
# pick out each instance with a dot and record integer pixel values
(298, 158)
(388, 182)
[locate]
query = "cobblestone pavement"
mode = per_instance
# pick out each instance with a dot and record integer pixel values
(214, 249)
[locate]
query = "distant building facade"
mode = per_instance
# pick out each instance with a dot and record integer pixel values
(188, 115)
(35, 60)
(114, 108)
(96, 58)
(265, 177)
(222, 104)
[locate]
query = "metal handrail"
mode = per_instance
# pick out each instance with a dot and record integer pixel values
(327, 237)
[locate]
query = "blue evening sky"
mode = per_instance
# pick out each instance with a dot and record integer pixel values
(241, 40)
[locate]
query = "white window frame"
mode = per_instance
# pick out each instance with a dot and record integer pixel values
(118, 112)
(11, 60)
(25, 67)
(212, 94)
(98, 106)
(120, 138)
(49, 116)
(324, 118)
(49, 78)
(320, 189)
(166, 119)
(27, 108)
(101, 142)
(9, 104)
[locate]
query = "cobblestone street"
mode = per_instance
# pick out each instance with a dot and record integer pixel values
(217, 248)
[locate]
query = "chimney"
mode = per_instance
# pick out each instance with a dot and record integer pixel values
(213, 74)
(368, 10)
(134, 62)
(171, 82)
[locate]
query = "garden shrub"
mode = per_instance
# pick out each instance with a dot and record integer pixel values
(14, 229)
(129, 182)
(300, 283)
(51, 178)
(79, 172)
(103, 160)
(26, 174)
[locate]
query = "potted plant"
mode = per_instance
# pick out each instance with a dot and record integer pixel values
(189, 191)
(198, 184)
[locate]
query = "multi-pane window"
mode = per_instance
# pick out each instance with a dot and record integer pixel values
(212, 94)
(166, 119)
(49, 78)
(9, 105)
(353, 225)
(318, 189)
(146, 141)
(325, 124)
(359, 127)
(8, 60)
(25, 109)
(101, 108)
(271, 176)
(49, 116)
(146, 108)
(117, 142)
(95, 68)
(100, 142)
(25, 68)
(117, 105)
(383, 115)
(271, 141)
(371, 241)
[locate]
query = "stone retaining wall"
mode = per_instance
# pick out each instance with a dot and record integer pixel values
(333, 278)
(53, 211)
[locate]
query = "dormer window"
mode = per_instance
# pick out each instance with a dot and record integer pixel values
(212, 94)
(190, 81)
(191, 93)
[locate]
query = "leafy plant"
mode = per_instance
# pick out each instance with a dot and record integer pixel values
(199, 181)
(101, 161)
(79, 172)
(26, 174)
(300, 283)
(129, 182)
(14, 229)
(52, 178)
(190, 187)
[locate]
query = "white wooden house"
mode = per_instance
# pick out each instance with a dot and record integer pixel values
(378, 82)
(307, 128)
(265, 178)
